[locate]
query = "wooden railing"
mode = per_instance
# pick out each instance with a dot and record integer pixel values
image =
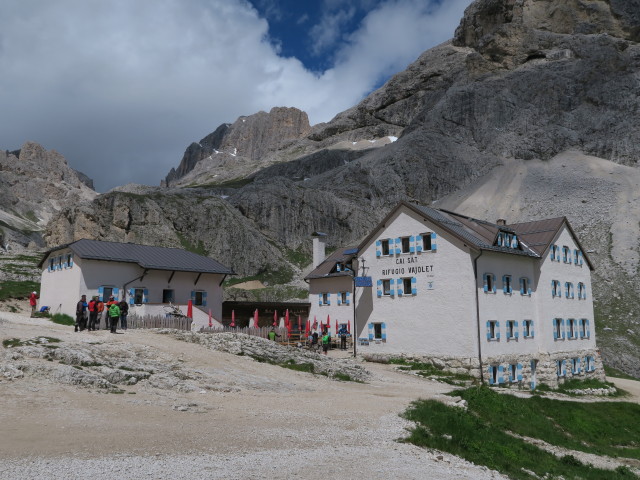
(159, 321)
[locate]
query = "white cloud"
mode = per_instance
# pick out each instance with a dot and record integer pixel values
(122, 87)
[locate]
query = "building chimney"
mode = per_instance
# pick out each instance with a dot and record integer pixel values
(319, 244)
(501, 221)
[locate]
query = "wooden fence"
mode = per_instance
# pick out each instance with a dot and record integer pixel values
(159, 321)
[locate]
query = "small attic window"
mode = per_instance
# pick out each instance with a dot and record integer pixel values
(506, 239)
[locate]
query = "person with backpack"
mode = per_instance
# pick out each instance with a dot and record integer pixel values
(81, 310)
(114, 314)
(93, 313)
(100, 309)
(124, 311)
(326, 340)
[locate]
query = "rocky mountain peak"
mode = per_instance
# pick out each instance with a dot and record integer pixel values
(512, 31)
(249, 137)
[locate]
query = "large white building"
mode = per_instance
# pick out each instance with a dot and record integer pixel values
(509, 303)
(147, 277)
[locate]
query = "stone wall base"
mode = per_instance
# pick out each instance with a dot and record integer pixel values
(546, 366)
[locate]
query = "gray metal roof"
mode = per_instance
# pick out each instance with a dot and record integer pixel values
(152, 258)
(327, 267)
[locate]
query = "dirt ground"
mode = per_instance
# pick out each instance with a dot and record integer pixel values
(266, 410)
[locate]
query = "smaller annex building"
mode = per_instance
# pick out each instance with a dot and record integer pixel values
(509, 303)
(147, 277)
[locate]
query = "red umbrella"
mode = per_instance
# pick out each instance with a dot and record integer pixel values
(233, 318)
(336, 325)
(315, 323)
(349, 326)
(286, 318)
(189, 309)
(255, 319)
(307, 328)
(289, 326)
(210, 322)
(299, 323)
(328, 322)
(275, 318)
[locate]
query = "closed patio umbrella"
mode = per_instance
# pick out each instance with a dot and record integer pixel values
(233, 318)
(349, 326)
(275, 318)
(190, 309)
(255, 319)
(210, 319)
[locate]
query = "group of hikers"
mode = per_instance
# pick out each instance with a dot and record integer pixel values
(343, 333)
(89, 315)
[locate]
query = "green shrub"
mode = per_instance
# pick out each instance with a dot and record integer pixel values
(63, 319)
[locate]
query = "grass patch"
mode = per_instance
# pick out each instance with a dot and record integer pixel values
(188, 246)
(479, 433)
(614, 372)
(428, 370)
(576, 384)
(298, 257)
(303, 367)
(41, 315)
(15, 289)
(63, 319)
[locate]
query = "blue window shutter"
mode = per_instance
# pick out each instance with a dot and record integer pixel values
(562, 328)
(484, 279)
(204, 299)
(529, 290)
(384, 331)
(511, 378)
(588, 329)
(392, 291)
(348, 298)
(339, 300)
(519, 372)
(398, 244)
(522, 286)
(566, 289)
(145, 298)
(490, 372)
(418, 243)
(131, 294)
(64, 264)
(504, 284)
(531, 331)
(399, 283)
(337, 267)
(328, 299)
(564, 368)
(320, 299)
(489, 332)
(371, 331)
(553, 288)
(115, 293)
(71, 260)
(579, 366)
(101, 293)
(500, 374)
(412, 247)
(580, 324)
(552, 252)
(555, 328)
(433, 242)
(584, 292)
(379, 283)
(515, 329)
(493, 277)
(497, 330)
(414, 286)
(378, 248)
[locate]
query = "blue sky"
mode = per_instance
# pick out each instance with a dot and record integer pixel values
(121, 87)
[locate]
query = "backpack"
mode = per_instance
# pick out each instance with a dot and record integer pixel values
(114, 310)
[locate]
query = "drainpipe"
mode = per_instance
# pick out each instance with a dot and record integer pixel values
(124, 287)
(475, 284)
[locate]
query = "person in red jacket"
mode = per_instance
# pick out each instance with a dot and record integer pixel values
(33, 301)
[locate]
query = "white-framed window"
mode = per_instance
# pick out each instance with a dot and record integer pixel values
(515, 372)
(405, 244)
(326, 298)
(572, 328)
(493, 330)
(578, 257)
(556, 291)
(489, 281)
(139, 296)
(426, 242)
(583, 326)
(495, 374)
(512, 330)
(507, 285)
(527, 328)
(589, 364)
(566, 254)
(554, 253)
(385, 247)
(525, 286)
(582, 291)
(561, 368)
(199, 297)
(575, 366)
(407, 285)
(568, 290)
(558, 329)
(386, 287)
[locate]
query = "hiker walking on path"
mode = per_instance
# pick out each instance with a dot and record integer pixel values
(326, 340)
(114, 314)
(81, 311)
(33, 300)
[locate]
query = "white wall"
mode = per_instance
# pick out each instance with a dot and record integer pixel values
(562, 307)
(441, 318)
(336, 310)
(62, 289)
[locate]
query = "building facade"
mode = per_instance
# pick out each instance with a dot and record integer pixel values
(509, 303)
(147, 277)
